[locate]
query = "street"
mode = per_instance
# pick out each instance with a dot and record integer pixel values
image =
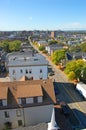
(68, 93)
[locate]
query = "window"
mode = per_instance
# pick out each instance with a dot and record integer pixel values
(13, 71)
(26, 71)
(23, 100)
(21, 71)
(18, 112)
(1, 103)
(19, 122)
(35, 99)
(30, 71)
(40, 70)
(6, 113)
(35, 59)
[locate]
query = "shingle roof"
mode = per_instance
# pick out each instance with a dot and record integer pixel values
(29, 91)
(3, 92)
(30, 88)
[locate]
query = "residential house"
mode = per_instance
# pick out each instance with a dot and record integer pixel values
(32, 65)
(42, 43)
(52, 48)
(25, 103)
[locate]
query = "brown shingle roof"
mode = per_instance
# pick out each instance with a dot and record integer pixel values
(3, 92)
(29, 91)
(29, 88)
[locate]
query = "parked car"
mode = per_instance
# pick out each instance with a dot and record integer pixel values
(51, 73)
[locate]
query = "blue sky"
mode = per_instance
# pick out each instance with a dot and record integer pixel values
(42, 15)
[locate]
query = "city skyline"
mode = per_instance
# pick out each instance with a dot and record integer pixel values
(42, 15)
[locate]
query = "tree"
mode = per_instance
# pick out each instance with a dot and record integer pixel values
(52, 42)
(41, 48)
(76, 67)
(10, 46)
(83, 72)
(58, 56)
(70, 66)
(5, 46)
(71, 75)
(14, 45)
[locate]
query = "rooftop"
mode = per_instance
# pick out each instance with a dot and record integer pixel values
(25, 59)
(20, 89)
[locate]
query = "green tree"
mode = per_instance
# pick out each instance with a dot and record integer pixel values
(71, 75)
(75, 66)
(52, 42)
(14, 45)
(83, 72)
(10, 46)
(41, 48)
(58, 56)
(70, 66)
(5, 45)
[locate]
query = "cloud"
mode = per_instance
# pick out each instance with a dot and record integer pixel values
(30, 18)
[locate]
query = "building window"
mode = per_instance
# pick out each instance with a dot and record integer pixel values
(1, 104)
(35, 99)
(23, 100)
(18, 112)
(21, 71)
(40, 70)
(35, 59)
(30, 71)
(19, 122)
(26, 71)
(13, 71)
(6, 113)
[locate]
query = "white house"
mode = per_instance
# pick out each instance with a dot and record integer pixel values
(42, 43)
(26, 103)
(52, 48)
(33, 66)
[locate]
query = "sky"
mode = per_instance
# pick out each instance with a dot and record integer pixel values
(42, 15)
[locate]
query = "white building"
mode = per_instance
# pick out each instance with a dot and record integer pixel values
(42, 43)
(33, 66)
(26, 103)
(52, 48)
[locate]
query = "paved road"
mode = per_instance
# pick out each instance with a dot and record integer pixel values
(67, 93)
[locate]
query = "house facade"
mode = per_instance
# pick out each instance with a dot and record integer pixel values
(26, 103)
(52, 48)
(33, 66)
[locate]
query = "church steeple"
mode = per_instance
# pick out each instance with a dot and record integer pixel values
(53, 125)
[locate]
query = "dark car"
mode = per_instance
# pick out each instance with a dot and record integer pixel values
(51, 73)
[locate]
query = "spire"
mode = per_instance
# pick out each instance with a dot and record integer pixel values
(53, 125)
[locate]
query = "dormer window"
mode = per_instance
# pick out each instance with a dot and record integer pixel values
(23, 100)
(35, 100)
